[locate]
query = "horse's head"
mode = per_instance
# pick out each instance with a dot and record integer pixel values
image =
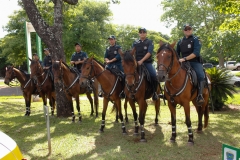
(130, 68)
(165, 59)
(87, 71)
(57, 71)
(10, 75)
(36, 68)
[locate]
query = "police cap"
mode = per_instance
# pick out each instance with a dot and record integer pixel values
(142, 29)
(111, 37)
(187, 26)
(77, 44)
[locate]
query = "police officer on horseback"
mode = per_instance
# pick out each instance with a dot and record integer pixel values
(112, 56)
(143, 53)
(113, 59)
(189, 46)
(47, 62)
(78, 57)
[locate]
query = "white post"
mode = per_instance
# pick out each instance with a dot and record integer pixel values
(48, 129)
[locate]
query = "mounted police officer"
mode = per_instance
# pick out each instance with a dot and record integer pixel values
(78, 57)
(189, 46)
(112, 56)
(47, 62)
(143, 53)
(113, 59)
(77, 60)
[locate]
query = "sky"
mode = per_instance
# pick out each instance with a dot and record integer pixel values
(144, 13)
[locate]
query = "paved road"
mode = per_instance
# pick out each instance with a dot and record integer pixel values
(10, 91)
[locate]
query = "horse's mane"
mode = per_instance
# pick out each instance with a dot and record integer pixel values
(25, 73)
(56, 65)
(127, 57)
(101, 64)
(168, 47)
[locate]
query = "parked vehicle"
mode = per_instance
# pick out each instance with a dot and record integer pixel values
(231, 65)
(234, 80)
(207, 65)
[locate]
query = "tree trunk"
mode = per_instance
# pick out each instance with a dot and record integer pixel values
(52, 37)
(221, 58)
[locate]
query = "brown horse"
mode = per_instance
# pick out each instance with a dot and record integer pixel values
(27, 85)
(138, 89)
(179, 89)
(111, 86)
(44, 84)
(72, 88)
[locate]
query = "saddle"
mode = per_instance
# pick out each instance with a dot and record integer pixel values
(117, 72)
(191, 72)
(143, 70)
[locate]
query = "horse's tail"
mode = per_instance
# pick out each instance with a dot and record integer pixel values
(206, 116)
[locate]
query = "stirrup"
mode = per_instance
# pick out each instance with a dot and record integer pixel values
(122, 95)
(200, 99)
(155, 96)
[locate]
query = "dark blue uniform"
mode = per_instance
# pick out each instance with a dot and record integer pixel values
(47, 61)
(111, 53)
(78, 57)
(187, 46)
(142, 48)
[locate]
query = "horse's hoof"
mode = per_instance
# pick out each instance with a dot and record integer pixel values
(172, 140)
(91, 114)
(190, 143)
(100, 131)
(116, 122)
(126, 122)
(156, 124)
(143, 140)
(73, 121)
(136, 134)
(79, 122)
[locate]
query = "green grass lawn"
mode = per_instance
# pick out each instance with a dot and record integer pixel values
(82, 141)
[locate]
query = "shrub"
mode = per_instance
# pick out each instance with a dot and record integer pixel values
(220, 88)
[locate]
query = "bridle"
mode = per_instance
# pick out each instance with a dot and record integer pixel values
(37, 72)
(92, 71)
(168, 68)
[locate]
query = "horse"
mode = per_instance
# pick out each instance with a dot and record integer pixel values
(44, 83)
(138, 89)
(179, 89)
(28, 86)
(72, 88)
(111, 87)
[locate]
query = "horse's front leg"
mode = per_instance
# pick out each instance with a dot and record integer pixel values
(172, 109)
(95, 94)
(105, 104)
(132, 104)
(125, 109)
(51, 103)
(118, 105)
(27, 97)
(142, 113)
(188, 123)
(78, 107)
(91, 102)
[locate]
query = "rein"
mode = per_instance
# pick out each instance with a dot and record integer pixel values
(169, 79)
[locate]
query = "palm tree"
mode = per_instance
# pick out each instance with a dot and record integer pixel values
(220, 87)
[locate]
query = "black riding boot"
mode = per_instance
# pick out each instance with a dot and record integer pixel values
(200, 99)
(155, 85)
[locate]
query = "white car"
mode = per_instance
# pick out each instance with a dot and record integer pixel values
(234, 80)
(231, 65)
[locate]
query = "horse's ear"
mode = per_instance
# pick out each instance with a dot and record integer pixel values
(173, 44)
(30, 59)
(60, 61)
(133, 51)
(160, 43)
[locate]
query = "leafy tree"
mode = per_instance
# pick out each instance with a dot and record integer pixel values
(207, 23)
